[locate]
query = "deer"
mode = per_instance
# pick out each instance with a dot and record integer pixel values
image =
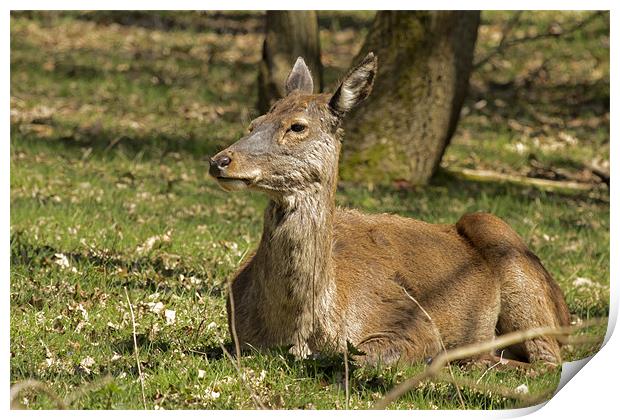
(396, 288)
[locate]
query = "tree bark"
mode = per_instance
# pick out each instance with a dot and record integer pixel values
(288, 35)
(425, 59)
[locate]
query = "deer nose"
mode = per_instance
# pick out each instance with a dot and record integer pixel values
(217, 164)
(222, 161)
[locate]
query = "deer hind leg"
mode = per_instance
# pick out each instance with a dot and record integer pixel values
(529, 299)
(390, 349)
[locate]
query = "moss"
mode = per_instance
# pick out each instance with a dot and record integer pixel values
(370, 164)
(418, 92)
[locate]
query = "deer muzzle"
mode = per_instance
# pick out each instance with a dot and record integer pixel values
(238, 167)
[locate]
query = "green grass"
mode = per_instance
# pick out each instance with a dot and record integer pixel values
(110, 126)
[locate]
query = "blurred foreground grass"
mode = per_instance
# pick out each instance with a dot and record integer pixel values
(112, 117)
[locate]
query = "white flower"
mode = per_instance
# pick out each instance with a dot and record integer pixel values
(170, 316)
(87, 363)
(522, 389)
(155, 307)
(62, 260)
(211, 394)
(83, 312)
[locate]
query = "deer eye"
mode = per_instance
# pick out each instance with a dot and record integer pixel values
(298, 128)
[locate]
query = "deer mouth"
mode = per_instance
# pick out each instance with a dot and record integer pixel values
(232, 183)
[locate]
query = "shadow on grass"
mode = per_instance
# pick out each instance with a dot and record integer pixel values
(106, 143)
(127, 345)
(237, 22)
(219, 22)
(457, 187)
(445, 185)
(147, 69)
(328, 367)
(543, 104)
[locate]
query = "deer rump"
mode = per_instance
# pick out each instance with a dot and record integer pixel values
(419, 288)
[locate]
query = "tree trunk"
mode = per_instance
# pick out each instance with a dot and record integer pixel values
(425, 59)
(288, 35)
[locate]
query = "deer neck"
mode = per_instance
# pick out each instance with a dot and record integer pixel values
(295, 279)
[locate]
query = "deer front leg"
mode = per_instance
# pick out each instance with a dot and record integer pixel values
(301, 350)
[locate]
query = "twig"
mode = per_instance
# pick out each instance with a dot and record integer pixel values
(113, 143)
(233, 326)
(599, 172)
(542, 184)
(135, 348)
(476, 349)
(582, 340)
(499, 362)
(458, 391)
(346, 375)
(241, 378)
(237, 363)
(507, 28)
(503, 44)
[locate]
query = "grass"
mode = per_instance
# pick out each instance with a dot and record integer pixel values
(110, 129)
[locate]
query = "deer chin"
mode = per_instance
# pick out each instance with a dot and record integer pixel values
(234, 184)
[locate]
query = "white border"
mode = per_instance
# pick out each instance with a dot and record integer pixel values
(310, 5)
(591, 394)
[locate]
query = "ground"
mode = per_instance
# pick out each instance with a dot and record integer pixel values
(112, 119)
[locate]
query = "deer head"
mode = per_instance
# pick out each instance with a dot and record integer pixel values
(295, 146)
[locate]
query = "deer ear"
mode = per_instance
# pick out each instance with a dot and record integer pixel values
(356, 86)
(299, 78)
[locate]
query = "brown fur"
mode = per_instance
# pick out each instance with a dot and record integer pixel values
(397, 288)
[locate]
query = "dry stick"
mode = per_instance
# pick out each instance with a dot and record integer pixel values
(579, 25)
(473, 350)
(499, 362)
(241, 378)
(39, 386)
(503, 390)
(582, 340)
(233, 330)
(233, 326)
(458, 391)
(543, 184)
(507, 28)
(599, 172)
(346, 375)
(135, 348)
